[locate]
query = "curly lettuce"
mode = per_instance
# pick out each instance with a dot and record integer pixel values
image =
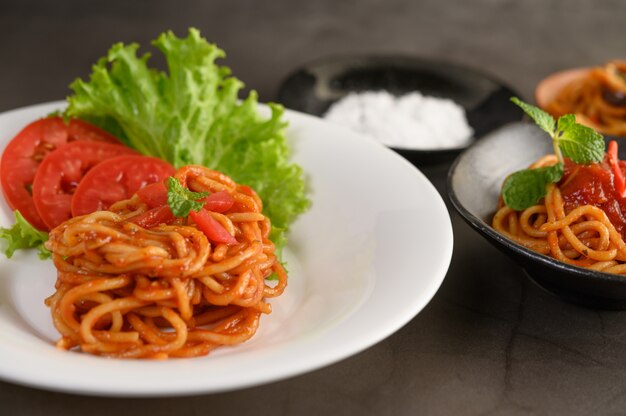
(192, 114)
(22, 235)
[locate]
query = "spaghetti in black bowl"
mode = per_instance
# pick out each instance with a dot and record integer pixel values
(474, 186)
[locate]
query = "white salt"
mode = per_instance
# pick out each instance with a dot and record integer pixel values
(411, 121)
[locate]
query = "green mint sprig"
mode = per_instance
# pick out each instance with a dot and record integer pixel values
(181, 200)
(581, 144)
(23, 235)
(526, 187)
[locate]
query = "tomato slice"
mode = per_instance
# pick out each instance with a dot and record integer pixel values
(619, 182)
(60, 173)
(154, 195)
(24, 153)
(214, 231)
(154, 217)
(116, 179)
(220, 201)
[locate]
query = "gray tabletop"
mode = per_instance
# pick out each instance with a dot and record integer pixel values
(490, 342)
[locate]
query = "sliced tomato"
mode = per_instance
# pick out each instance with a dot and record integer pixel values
(81, 130)
(154, 217)
(619, 182)
(154, 195)
(220, 201)
(116, 179)
(60, 173)
(24, 153)
(214, 231)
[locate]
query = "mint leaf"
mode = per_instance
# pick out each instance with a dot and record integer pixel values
(570, 139)
(181, 200)
(565, 122)
(544, 120)
(580, 143)
(23, 235)
(526, 187)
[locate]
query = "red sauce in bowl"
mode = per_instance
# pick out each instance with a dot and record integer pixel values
(593, 185)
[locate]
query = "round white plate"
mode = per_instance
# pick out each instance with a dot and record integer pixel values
(363, 261)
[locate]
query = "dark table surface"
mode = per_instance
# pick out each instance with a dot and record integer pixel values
(490, 342)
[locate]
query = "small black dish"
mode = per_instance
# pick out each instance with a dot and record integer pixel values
(315, 86)
(474, 182)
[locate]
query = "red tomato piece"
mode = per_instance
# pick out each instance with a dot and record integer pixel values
(214, 231)
(594, 184)
(154, 195)
(154, 217)
(60, 173)
(619, 182)
(24, 154)
(81, 130)
(220, 201)
(116, 179)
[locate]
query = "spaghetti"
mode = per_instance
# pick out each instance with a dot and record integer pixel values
(598, 99)
(579, 222)
(167, 290)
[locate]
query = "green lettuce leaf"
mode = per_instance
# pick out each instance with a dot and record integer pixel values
(191, 114)
(23, 235)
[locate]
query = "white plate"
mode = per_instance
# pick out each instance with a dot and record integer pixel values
(364, 260)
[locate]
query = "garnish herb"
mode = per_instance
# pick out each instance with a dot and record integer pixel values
(181, 200)
(23, 235)
(581, 144)
(526, 187)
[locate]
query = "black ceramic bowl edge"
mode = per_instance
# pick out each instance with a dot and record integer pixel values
(486, 112)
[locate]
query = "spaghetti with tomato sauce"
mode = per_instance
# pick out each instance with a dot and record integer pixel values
(593, 185)
(581, 220)
(135, 281)
(598, 99)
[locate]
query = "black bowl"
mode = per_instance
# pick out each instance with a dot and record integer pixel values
(315, 86)
(474, 183)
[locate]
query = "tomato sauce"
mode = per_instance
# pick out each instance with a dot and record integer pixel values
(593, 185)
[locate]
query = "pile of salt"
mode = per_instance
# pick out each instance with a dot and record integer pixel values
(411, 121)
